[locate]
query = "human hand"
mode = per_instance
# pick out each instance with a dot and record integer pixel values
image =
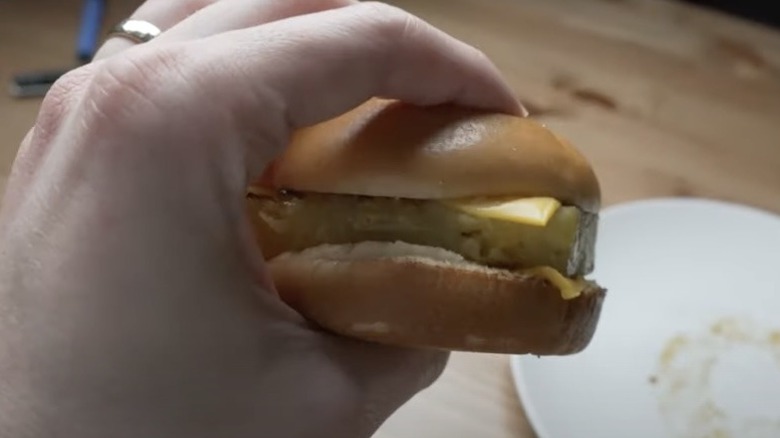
(133, 300)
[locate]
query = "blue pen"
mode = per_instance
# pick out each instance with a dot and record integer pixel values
(89, 32)
(37, 83)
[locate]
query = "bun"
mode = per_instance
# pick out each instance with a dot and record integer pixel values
(390, 149)
(411, 295)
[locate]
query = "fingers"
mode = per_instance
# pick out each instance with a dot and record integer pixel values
(162, 13)
(292, 73)
(238, 14)
(191, 19)
(367, 50)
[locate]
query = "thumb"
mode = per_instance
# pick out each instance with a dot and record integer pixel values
(387, 377)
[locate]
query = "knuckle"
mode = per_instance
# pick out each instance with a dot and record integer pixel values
(113, 93)
(62, 96)
(390, 21)
(394, 30)
(192, 6)
(126, 85)
(62, 91)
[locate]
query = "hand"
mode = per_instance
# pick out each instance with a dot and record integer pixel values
(133, 300)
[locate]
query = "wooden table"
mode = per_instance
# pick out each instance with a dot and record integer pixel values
(665, 99)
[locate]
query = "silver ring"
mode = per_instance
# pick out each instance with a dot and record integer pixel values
(138, 31)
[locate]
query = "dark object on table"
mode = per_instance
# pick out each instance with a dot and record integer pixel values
(760, 11)
(37, 83)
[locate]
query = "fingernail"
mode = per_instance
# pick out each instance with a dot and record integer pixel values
(523, 111)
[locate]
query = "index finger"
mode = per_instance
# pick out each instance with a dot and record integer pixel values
(277, 77)
(161, 13)
(326, 63)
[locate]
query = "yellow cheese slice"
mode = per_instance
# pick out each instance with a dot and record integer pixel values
(529, 211)
(570, 288)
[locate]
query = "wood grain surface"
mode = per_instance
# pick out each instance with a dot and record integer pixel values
(665, 99)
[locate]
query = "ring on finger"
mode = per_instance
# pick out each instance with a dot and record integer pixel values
(139, 31)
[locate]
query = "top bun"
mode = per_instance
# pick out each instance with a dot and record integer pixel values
(391, 149)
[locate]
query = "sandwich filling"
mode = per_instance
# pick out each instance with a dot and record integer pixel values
(536, 235)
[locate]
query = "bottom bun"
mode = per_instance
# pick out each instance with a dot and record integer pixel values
(417, 296)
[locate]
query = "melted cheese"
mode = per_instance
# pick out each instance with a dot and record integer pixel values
(569, 288)
(535, 211)
(529, 211)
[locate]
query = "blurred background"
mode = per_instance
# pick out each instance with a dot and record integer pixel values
(667, 98)
(757, 10)
(627, 74)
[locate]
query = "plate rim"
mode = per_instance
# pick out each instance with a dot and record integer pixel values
(516, 361)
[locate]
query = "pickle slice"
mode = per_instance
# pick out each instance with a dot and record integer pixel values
(293, 222)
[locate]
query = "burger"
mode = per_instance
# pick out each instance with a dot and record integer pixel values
(434, 227)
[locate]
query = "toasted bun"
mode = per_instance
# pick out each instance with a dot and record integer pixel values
(387, 148)
(409, 295)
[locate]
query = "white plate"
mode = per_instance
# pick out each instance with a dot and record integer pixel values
(688, 344)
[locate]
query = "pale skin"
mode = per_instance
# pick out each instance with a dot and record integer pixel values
(133, 299)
